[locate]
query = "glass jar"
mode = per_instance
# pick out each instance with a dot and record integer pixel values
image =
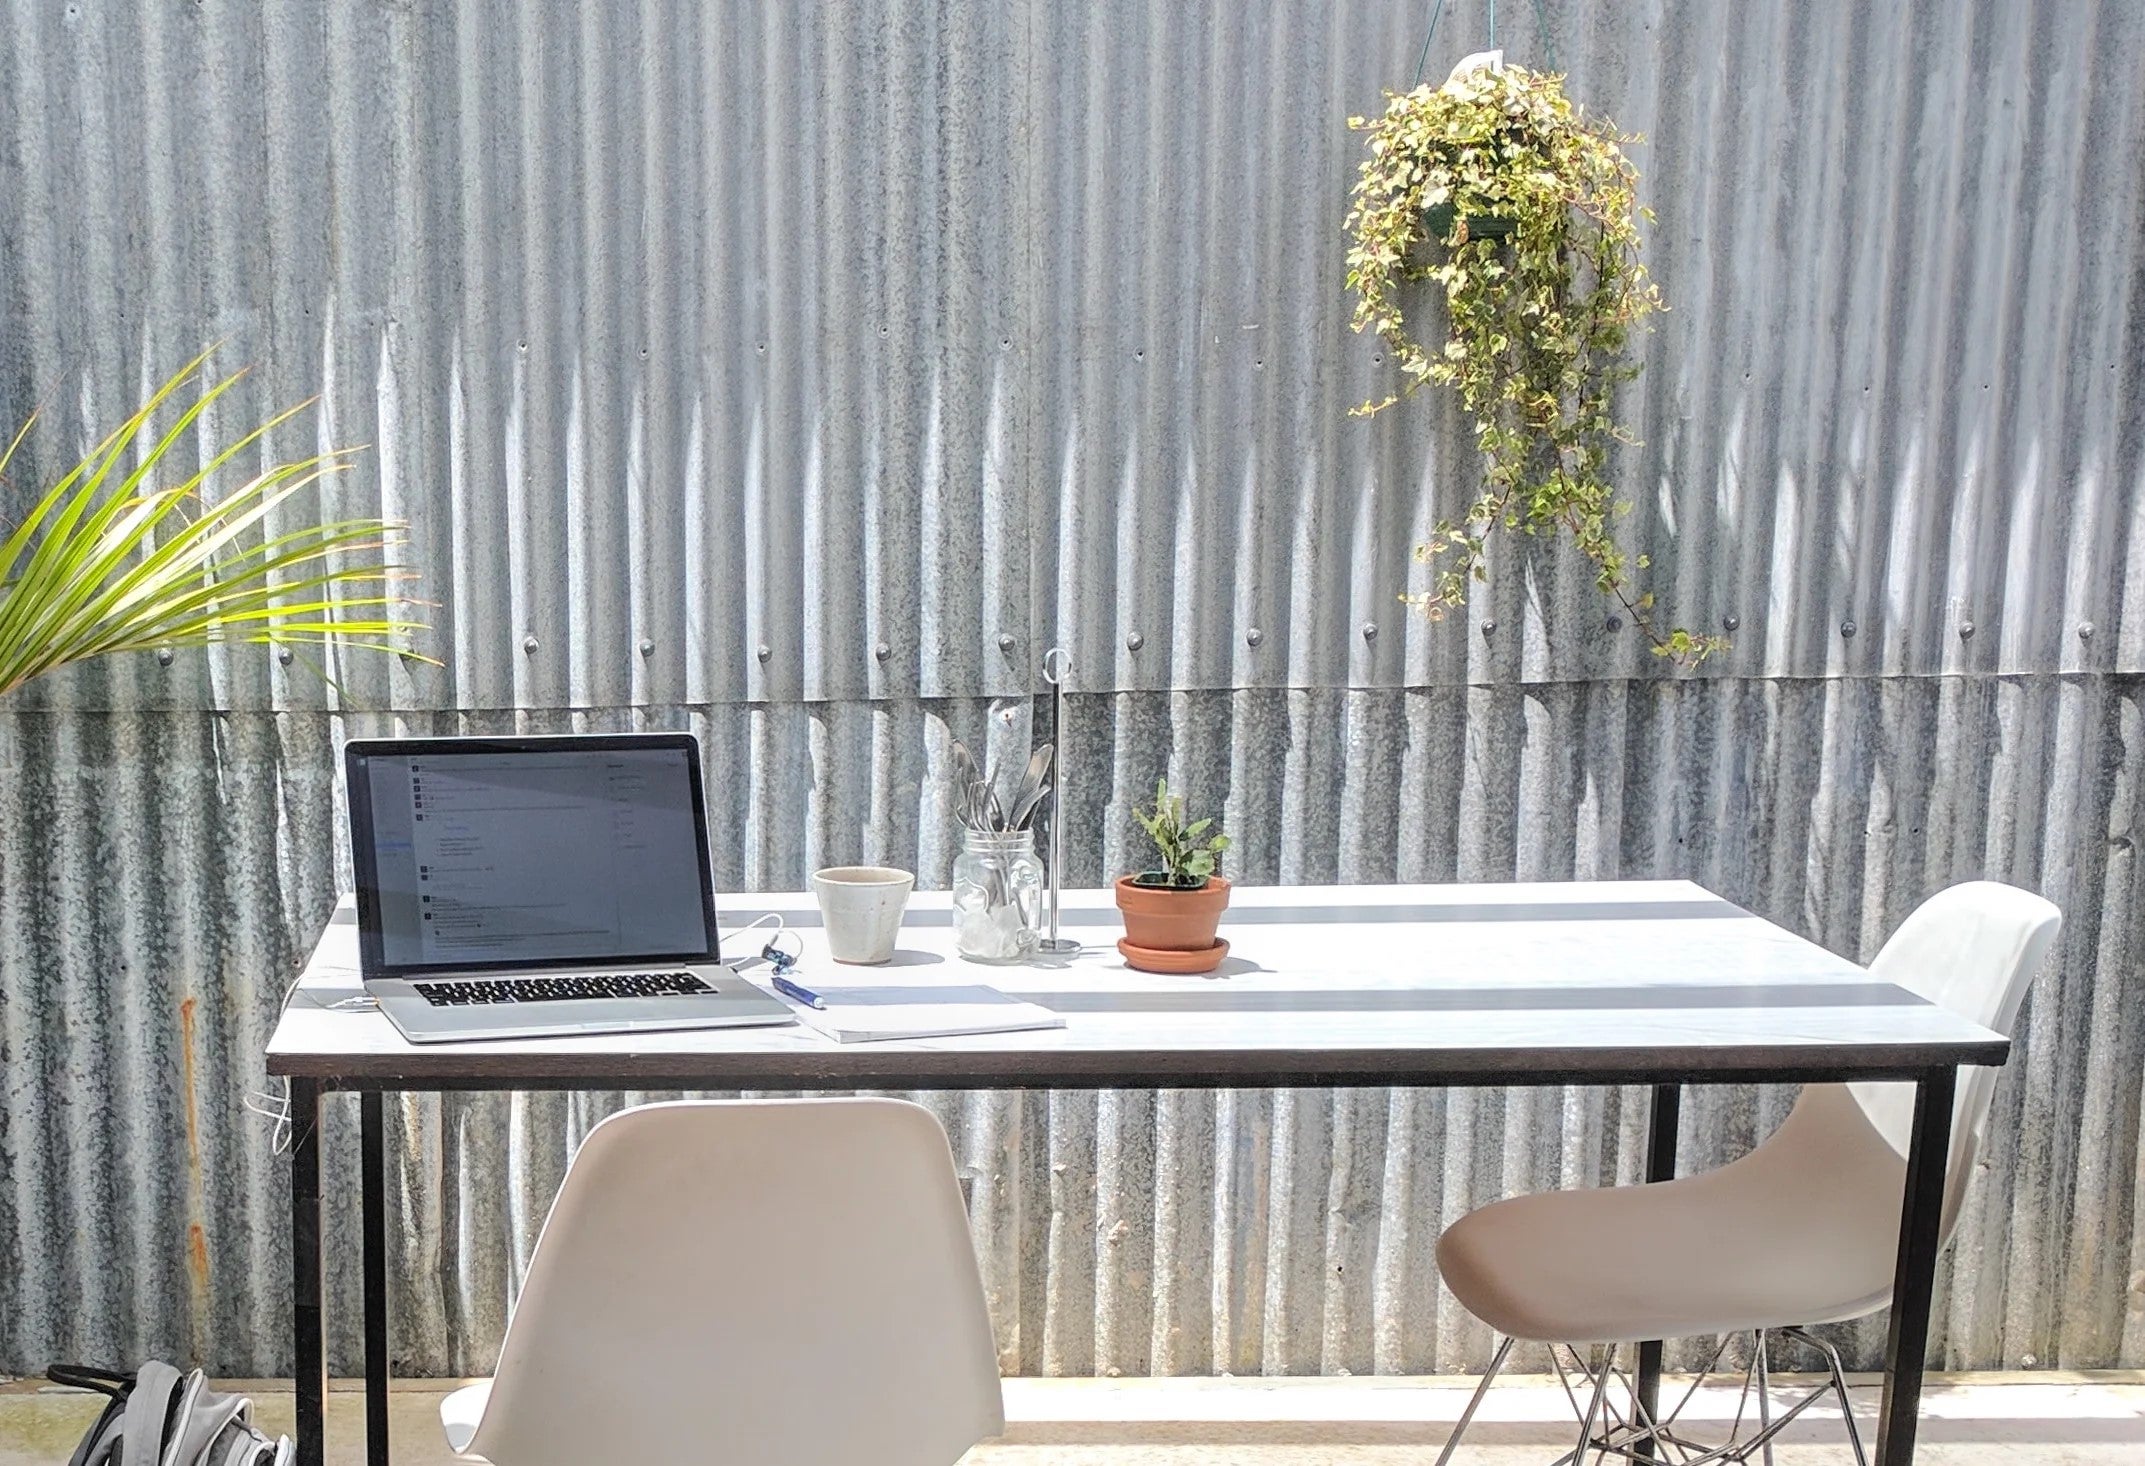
(997, 896)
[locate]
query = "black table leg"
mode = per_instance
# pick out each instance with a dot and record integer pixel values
(1660, 1166)
(1906, 1348)
(308, 1318)
(372, 1128)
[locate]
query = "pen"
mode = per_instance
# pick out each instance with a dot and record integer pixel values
(800, 992)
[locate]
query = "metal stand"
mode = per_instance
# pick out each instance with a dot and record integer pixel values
(1057, 665)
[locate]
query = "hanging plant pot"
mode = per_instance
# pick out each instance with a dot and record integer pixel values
(1534, 340)
(1442, 217)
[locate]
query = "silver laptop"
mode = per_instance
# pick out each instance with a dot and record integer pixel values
(522, 887)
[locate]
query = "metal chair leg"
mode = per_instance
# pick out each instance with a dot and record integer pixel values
(1593, 1408)
(1839, 1387)
(1765, 1403)
(1648, 1437)
(1489, 1376)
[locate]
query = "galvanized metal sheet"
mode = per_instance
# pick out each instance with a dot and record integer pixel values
(166, 873)
(959, 329)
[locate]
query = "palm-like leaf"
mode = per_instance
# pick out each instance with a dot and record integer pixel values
(105, 562)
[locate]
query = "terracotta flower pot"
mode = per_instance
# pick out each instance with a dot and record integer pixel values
(1180, 923)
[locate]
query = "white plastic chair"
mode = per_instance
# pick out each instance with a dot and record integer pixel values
(1804, 1230)
(765, 1282)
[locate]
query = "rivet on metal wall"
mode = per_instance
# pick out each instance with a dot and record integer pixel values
(2085, 630)
(1730, 622)
(163, 656)
(1006, 643)
(1489, 628)
(1847, 628)
(1370, 631)
(284, 655)
(1613, 624)
(1966, 630)
(529, 644)
(1134, 642)
(882, 651)
(647, 647)
(764, 652)
(1254, 636)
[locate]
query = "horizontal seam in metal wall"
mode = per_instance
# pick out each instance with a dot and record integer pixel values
(1782, 680)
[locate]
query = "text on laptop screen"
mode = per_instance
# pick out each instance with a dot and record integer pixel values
(522, 857)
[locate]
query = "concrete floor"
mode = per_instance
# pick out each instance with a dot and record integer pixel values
(2096, 1420)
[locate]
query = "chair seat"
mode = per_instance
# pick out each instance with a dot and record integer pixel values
(1801, 1231)
(460, 1411)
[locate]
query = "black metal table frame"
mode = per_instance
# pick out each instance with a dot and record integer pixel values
(1914, 1277)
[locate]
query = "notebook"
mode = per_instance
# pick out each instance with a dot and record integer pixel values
(866, 1014)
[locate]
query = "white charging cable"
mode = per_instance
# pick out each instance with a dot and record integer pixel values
(276, 1107)
(267, 1103)
(773, 953)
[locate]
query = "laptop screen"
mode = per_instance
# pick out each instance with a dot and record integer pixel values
(517, 853)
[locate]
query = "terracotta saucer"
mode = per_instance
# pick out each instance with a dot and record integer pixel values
(1184, 964)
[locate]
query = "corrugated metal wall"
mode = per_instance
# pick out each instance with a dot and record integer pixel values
(796, 374)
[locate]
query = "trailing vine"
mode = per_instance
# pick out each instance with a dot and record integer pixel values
(1524, 210)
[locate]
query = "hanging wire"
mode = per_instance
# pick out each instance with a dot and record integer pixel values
(1435, 11)
(1541, 28)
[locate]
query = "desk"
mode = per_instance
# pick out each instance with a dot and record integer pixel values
(1657, 983)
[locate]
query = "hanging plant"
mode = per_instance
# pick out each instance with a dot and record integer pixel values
(1523, 210)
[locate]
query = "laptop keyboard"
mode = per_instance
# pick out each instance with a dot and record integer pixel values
(581, 986)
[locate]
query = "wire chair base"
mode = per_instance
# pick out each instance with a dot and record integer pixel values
(1615, 1425)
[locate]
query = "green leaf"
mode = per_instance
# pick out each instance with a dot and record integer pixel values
(1536, 326)
(1174, 841)
(99, 565)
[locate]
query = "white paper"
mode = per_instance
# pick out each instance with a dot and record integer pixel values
(863, 1014)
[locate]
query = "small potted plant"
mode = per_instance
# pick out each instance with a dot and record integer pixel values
(1171, 911)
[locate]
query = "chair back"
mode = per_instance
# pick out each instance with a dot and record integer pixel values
(780, 1282)
(1974, 949)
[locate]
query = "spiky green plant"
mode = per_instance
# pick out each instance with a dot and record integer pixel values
(108, 561)
(1187, 862)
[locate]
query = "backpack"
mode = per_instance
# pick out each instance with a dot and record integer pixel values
(160, 1417)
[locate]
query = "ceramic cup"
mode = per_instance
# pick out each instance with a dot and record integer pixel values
(861, 906)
